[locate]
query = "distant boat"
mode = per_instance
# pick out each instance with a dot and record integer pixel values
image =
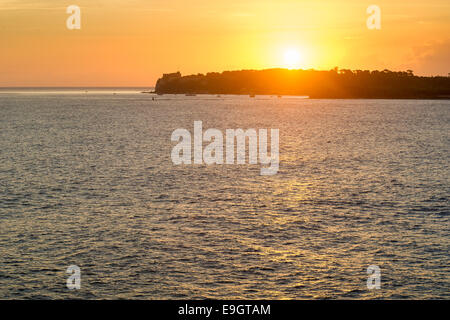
(252, 96)
(279, 96)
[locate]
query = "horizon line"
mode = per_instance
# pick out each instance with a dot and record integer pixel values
(76, 87)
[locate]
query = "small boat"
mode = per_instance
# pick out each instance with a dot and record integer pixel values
(279, 96)
(252, 96)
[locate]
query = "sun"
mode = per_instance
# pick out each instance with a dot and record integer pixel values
(292, 59)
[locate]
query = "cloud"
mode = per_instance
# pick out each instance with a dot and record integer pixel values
(431, 58)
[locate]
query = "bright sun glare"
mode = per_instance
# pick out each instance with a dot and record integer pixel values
(292, 59)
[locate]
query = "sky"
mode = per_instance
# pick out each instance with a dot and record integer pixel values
(133, 42)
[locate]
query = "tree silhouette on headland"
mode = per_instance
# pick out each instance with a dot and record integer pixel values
(343, 83)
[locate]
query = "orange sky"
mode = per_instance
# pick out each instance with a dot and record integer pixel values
(132, 42)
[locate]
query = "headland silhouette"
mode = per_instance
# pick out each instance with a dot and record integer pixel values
(335, 84)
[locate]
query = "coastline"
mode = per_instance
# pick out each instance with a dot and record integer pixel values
(332, 84)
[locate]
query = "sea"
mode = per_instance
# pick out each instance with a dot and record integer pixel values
(87, 180)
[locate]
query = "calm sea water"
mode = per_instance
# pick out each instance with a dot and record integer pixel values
(87, 179)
